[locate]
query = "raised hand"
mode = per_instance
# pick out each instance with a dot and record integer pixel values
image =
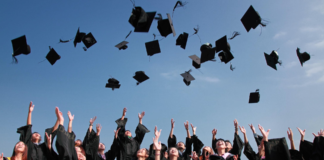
(194, 155)
(193, 129)
(31, 106)
(1, 156)
(242, 129)
(172, 123)
(320, 133)
(116, 132)
(57, 112)
(235, 123)
(71, 117)
(214, 132)
(49, 140)
(157, 133)
(264, 133)
(60, 117)
(98, 127)
(157, 144)
(290, 134)
(252, 128)
(186, 125)
(302, 133)
(140, 116)
(92, 120)
(124, 112)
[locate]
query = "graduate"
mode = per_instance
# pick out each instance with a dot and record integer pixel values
(163, 151)
(129, 145)
(20, 152)
(36, 151)
(305, 147)
(184, 150)
(197, 145)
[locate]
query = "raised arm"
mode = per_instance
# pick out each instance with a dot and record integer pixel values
(124, 114)
(140, 117)
(290, 136)
(244, 133)
(141, 130)
(197, 144)
(91, 123)
(193, 129)
(157, 144)
(302, 134)
(186, 124)
(172, 126)
(30, 110)
(98, 127)
(264, 133)
(71, 117)
(236, 126)
(214, 132)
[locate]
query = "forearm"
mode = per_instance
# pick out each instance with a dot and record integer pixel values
(245, 139)
(122, 118)
(188, 133)
(70, 127)
(157, 155)
(171, 133)
(55, 126)
(302, 138)
(236, 131)
(214, 137)
(29, 122)
(292, 144)
(140, 120)
(90, 128)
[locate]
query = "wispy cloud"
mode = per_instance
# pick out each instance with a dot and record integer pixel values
(291, 64)
(313, 69)
(318, 7)
(311, 29)
(209, 79)
(280, 34)
(170, 75)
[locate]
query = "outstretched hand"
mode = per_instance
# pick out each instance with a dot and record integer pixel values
(252, 128)
(124, 112)
(116, 132)
(186, 125)
(71, 117)
(242, 129)
(235, 123)
(193, 129)
(140, 116)
(302, 133)
(31, 106)
(92, 120)
(172, 123)
(1, 156)
(290, 134)
(157, 133)
(214, 132)
(320, 133)
(264, 133)
(98, 127)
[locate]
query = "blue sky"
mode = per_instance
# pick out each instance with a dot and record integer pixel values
(290, 96)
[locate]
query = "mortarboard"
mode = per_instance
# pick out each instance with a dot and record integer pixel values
(141, 20)
(182, 40)
(152, 47)
(89, 40)
(251, 19)
(112, 83)
(187, 77)
(140, 76)
(78, 37)
(303, 57)
(223, 45)
(195, 61)
(20, 46)
(272, 59)
(254, 97)
(165, 26)
(52, 56)
(207, 53)
(122, 45)
(225, 56)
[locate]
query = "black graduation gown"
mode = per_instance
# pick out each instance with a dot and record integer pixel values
(65, 145)
(305, 148)
(172, 142)
(295, 155)
(249, 153)
(237, 146)
(318, 148)
(216, 157)
(197, 145)
(129, 147)
(35, 152)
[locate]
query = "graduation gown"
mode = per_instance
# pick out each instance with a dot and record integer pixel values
(305, 148)
(35, 151)
(295, 155)
(237, 146)
(216, 157)
(318, 148)
(197, 144)
(172, 142)
(249, 153)
(65, 145)
(128, 147)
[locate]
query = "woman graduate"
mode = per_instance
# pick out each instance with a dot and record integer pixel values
(20, 152)
(128, 145)
(197, 145)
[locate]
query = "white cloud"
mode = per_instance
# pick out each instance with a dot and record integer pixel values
(209, 79)
(170, 75)
(280, 34)
(313, 69)
(311, 29)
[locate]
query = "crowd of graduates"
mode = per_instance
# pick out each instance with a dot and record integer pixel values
(125, 146)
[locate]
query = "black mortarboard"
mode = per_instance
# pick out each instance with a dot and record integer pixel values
(140, 76)
(152, 47)
(112, 83)
(222, 44)
(52, 56)
(89, 40)
(20, 46)
(122, 45)
(141, 20)
(225, 56)
(195, 61)
(207, 53)
(303, 57)
(272, 59)
(182, 40)
(251, 19)
(165, 26)
(187, 77)
(258, 139)
(278, 148)
(78, 37)
(254, 97)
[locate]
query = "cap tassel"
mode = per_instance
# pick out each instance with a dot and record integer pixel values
(159, 17)
(14, 59)
(196, 32)
(180, 3)
(280, 62)
(128, 34)
(64, 41)
(133, 2)
(235, 33)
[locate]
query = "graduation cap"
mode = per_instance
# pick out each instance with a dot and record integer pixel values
(195, 61)
(187, 77)
(182, 40)
(140, 76)
(165, 26)
(141, 20)
(112, 83)
(78, 37)
(52, 56)
(152, 47)
(88, 40)
(65, 41)
(251, 19)
(207, 53)
(222, 45)
(303, 57)
(272, 59)
(254, 97)
(122, 45)
(179, 4)
(20, 46)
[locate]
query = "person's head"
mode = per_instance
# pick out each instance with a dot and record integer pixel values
(101, 147)
(173, 152)
(80, 153)
(181, 145)
(78, 142)
(36, 137)
(128, 133)
(220, 144)
(228, 145)
(20, 148)
(142, 153)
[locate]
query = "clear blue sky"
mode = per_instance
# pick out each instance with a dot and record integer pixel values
(292, 96)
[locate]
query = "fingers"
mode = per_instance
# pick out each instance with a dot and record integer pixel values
(314, 134)
(191, 125)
